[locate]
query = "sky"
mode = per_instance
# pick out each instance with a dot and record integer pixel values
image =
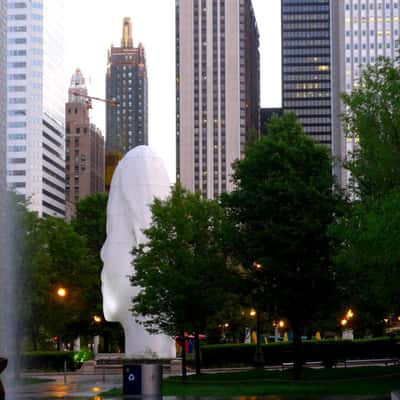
(91, 26)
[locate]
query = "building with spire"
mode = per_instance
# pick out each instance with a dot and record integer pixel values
(126, 82)
(85, 157)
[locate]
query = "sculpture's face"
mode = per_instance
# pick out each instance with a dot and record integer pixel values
(136, 181)
(109, 283)
(115, 284)
(139, 178)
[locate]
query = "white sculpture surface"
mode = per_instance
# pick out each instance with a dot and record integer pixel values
(139, 177)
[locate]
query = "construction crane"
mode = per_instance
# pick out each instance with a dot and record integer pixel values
(112, 102)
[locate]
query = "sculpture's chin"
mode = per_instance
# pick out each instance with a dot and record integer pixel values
(108, 316)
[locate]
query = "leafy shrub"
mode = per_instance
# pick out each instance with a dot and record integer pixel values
(329, 352)
(83, 355)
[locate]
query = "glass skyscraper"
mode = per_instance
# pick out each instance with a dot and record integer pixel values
(311, 69)
(369, 29)
(3, 92)
(36, 98)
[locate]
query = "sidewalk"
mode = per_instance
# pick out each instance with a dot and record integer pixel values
(76, 386)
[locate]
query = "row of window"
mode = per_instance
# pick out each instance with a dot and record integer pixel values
(372, 46)
(363, 6)
(21, 4)
(372, 33)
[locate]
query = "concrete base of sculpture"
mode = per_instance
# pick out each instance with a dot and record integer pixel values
(3, 365)
(112, 364)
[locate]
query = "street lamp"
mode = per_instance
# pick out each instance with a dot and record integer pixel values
(61, 293)
(97, 319)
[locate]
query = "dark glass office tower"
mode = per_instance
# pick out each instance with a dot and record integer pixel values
(310, 68)
(126, 82)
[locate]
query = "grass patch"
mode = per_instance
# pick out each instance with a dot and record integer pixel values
(315, 382)
(30, 381)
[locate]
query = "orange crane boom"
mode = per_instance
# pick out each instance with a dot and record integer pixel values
(113, 103)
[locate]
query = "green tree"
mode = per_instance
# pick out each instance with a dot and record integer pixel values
(90, 223)
(282, 205)
(182, 268)
(368, 259)
(372, 117)
(54, 256)
(369, 236)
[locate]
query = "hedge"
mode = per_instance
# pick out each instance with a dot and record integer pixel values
(328, 352)
(48, 360)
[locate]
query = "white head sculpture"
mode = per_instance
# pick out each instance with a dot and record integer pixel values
(139, 177)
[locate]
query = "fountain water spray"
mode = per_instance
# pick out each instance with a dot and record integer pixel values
(8, 284)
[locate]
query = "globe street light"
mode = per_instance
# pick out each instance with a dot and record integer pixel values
(61, 293)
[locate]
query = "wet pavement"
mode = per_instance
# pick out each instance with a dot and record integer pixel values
(88, 386)
(58, 386)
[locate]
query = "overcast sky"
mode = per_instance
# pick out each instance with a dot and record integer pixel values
(93, 25)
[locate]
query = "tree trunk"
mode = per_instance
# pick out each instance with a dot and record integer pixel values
(298, 361)
(34, 337)
(183, 341)
(197, 351)
(259, 354)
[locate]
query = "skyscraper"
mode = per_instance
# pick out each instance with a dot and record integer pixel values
(369, 30)
(3, 93)
(126, 82)
(217, 90)
(311, 69)
(35, 127)
(84, 146)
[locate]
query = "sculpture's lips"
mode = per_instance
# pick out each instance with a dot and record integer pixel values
(3, 364)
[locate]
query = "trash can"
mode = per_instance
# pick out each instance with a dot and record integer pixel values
(142, 379)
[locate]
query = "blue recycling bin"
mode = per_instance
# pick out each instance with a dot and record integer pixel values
(142, 380)
(132, 380)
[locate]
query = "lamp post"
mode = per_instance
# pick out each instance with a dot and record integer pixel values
(62, 294)
(259, 354)
(347, 332)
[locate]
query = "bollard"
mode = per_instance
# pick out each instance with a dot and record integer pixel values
(104, 372)
(65, 371)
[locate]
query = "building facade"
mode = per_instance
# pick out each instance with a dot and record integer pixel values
(3, 94)
(85, 148)
(311, 69)
(126, 83)
(265, 117)
(369, 30)
(217, 90)
(36, 100)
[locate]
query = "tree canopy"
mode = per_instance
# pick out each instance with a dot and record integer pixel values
(369, 235)
(282, 205)
(372, 118)
(182, 268)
